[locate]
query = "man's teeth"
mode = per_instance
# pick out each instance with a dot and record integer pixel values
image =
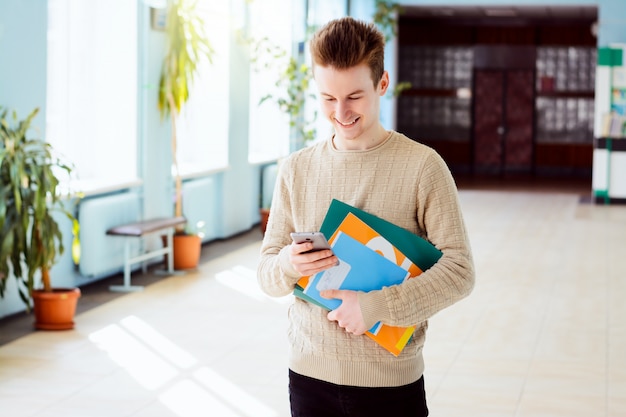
(349, 123)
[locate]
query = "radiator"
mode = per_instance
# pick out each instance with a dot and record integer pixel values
(103, 255)
(200, 205)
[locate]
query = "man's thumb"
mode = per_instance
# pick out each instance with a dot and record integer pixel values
(330, 294)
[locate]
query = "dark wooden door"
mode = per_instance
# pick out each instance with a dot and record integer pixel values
(503, 121)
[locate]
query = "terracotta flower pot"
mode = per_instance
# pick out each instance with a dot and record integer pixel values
(55, 310)
(187, 250)
(265, 215)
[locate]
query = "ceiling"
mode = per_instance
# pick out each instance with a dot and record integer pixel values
(520, 12)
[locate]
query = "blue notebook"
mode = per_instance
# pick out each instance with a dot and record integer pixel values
(360, 268)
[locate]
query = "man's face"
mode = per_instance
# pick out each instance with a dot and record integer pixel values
(352, 104)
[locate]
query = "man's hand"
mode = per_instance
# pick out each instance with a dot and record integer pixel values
(310, 263)
(348, 315)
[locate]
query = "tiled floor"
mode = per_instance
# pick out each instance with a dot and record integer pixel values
(543, 333)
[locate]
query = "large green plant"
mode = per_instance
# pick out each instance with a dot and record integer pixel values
(187, 45)
(30, 238)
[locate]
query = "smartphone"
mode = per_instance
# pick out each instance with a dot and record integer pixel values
(317, 238)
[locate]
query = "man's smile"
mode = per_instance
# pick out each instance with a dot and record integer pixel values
(348, 124)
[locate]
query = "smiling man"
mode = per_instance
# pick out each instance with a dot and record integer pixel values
(334, 369)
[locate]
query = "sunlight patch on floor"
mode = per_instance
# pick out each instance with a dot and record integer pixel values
(157, 363)
(244, 281)
(162, 345)
(146, 367)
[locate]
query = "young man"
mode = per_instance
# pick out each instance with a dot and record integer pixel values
(335, 370)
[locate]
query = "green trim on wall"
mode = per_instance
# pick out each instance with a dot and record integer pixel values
(610, 57)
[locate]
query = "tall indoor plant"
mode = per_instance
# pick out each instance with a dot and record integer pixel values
(30, 238)
(187, 46)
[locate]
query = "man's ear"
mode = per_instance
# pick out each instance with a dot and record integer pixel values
(383, 85)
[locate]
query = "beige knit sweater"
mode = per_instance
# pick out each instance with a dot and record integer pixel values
(403, 182)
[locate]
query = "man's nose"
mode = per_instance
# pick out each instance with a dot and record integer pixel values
(343, 109)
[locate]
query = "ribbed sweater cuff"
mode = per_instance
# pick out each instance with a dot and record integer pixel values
(373, 308)
(285, 265)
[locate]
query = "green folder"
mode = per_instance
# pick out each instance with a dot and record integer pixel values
(417, 249)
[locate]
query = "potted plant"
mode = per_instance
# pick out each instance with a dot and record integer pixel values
(187, 46)
(188, 245)
(264, 212)
(30, 238)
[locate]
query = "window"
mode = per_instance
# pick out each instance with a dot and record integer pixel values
(203, 122)
(92, 89)
(565, 94)
(269, 131)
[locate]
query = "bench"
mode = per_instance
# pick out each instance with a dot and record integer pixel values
(138, 230)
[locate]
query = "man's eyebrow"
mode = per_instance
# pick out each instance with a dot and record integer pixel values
(350, 94)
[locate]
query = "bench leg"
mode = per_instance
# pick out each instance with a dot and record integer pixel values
(169, 252)
(126, 287)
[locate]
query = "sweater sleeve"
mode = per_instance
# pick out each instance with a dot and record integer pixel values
(275, 274)
(446, 282)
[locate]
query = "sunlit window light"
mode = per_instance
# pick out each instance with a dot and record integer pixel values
(158, 342)
(188, 399)
(243, 280)
(203, 124)
(141, 363)
(232, 394)
(84, 92)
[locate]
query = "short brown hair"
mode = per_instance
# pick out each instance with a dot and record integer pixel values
(345, 43)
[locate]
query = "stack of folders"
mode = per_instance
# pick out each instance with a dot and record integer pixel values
(373, 253)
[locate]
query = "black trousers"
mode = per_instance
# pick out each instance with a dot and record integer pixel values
(311, 397)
